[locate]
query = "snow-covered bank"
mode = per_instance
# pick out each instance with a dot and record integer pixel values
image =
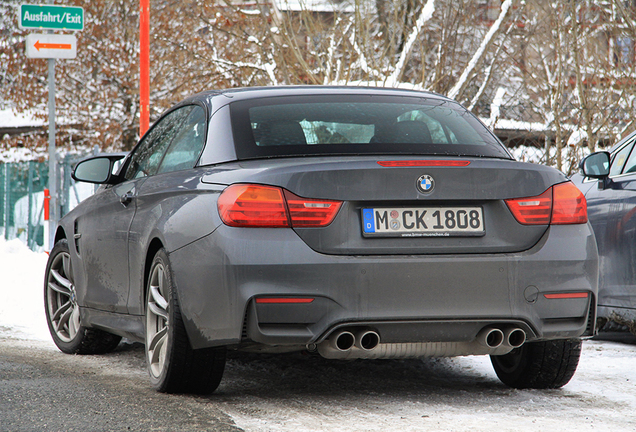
(22, 291)
(303, 393)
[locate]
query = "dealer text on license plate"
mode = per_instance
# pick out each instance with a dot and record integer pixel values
(423, 222)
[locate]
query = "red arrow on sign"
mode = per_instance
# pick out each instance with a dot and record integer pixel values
(39, 45)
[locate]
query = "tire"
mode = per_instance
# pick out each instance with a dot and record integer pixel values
(174, 367)
(63, 312)
(539, 365)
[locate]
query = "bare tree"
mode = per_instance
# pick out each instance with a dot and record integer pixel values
(564, 64)
(96, 93)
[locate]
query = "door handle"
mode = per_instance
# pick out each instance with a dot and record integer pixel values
(126, 198)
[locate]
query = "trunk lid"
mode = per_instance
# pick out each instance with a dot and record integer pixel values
(362, 183)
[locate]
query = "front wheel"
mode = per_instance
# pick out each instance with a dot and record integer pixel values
(539, 365)
(63, 312)
(174, 367)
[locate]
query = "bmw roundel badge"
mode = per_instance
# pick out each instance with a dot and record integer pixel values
(425, 184)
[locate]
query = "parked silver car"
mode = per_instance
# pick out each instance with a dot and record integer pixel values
(349, 222)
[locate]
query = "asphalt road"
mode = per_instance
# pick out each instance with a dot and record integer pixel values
(44, 390)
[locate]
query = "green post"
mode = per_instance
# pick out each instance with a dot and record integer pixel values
(7, 199)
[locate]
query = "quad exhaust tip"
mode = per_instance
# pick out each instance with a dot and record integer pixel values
(365, 343)
(344, 340)
(367, 340)
(493, 337)
(515, 337)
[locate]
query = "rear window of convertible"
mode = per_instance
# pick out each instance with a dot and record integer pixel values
(358, 125)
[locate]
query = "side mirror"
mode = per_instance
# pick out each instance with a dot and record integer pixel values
(596, 165)
(98, 169)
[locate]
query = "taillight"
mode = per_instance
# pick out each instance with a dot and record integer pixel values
(310, 212)
(253, 206)
(562, 204)
(570, 206)
(243, 205)
(532, 210)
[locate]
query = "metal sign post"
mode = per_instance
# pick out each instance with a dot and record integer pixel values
(51, 46)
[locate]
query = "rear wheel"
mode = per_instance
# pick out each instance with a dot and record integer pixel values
(62, 310)
(173, 365)
(539, 365)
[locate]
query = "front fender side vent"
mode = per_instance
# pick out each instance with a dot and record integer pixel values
(76, 237)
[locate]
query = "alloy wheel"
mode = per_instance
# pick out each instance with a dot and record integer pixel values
(157, 320)
(61, 299)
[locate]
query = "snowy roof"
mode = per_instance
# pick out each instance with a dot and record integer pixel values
(19, 154)
(9, 118)
(315, 5)
(517, 125)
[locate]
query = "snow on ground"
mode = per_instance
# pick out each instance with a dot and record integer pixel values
(457, 394)
(22, 291)
(304, 393)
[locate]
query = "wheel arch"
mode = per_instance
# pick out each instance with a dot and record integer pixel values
(60, 234)
(155, 245)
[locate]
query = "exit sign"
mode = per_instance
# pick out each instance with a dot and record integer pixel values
(51, 46)
(51, 17)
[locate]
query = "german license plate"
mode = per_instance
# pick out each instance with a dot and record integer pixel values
(423, 222)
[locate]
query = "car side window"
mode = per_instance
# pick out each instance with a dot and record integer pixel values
(185, 149)
(630, 165)
(149, 153)
(619, 160)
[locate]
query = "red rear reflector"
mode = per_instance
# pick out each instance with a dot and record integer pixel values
(424, 163)
(283, 300)
(253, 206)
(569, 206)
(242, 205)
(566, 295)
(562, 204)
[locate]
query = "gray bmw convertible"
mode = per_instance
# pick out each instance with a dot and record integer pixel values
(346, 222)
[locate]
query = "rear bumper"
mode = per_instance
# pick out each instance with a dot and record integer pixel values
(406, 299)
